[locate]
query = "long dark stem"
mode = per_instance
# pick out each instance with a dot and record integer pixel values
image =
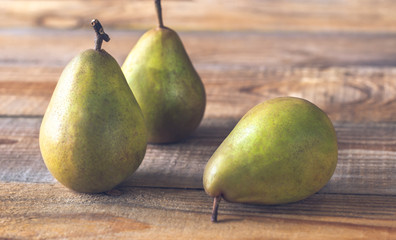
(100, 34)
(216, 202)
(159, 13)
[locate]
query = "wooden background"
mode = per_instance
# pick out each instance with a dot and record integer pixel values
(207, 15)
(341, 55)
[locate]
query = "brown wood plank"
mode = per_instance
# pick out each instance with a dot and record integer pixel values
(366, 157)
(341, 15)
(37, 211)
(209, 50)
(353, 94)
(350, 75)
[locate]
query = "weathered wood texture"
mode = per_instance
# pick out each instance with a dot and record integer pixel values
(366, 157)
(338, 54)
(352, 80)
(155, 213)
(209, 50)
(346, 94)
(258, 15)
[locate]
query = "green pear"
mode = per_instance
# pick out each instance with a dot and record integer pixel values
(93, 134)
(165, 84)
(283, 150)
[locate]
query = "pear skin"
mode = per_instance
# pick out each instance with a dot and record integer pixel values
(93, 134)
(283, 150)
(166, 85)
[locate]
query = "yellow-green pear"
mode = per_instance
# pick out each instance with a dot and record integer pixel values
(93, 134)
(283, 150)
(165, 84)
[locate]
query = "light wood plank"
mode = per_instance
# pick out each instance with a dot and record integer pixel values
(351, 80)
(37, 211)
(366, 157)
(209, 50)
(345, 94)
(223, 15)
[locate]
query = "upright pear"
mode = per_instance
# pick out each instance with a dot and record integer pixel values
(165, 84)
(93, 134)
(281, 151)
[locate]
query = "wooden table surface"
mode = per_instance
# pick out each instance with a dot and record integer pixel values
(341, 55)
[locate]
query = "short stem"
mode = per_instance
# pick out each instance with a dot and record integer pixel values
(100, 34)
(159, 13)
(216, 203)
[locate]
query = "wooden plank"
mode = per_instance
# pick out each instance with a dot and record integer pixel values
(258, 15)
(209, 50)
(37, 211)
(351, 80)
(353, 94)
(366, 157)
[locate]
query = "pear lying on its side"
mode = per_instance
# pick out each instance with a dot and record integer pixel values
(93, 134)
(165, 84)
(281, 151)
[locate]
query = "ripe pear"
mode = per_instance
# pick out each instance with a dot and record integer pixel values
(93, 134)
(283, 150)
(165, 84)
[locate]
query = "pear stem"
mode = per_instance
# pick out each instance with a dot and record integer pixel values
(100, 34)
(216, 202)
(159, 13)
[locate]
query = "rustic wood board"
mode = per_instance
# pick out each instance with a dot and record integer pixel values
(220, 15)
(366, 157)
(148, 213)
(350, 76)
(338, 54)
(209, 50)
(354, 94)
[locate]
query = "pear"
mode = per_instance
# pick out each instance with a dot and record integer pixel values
(165, 84)
(93, 134)
(283, 150)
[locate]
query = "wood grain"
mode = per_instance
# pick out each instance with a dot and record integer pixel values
(345, 94)
(148, 213)
(221, 15)
(350, 76)
(366, 157)
(338, 54)
(208, 50)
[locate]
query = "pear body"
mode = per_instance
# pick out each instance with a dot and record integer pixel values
(283, 150)
(93, 134)
(166, 85)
